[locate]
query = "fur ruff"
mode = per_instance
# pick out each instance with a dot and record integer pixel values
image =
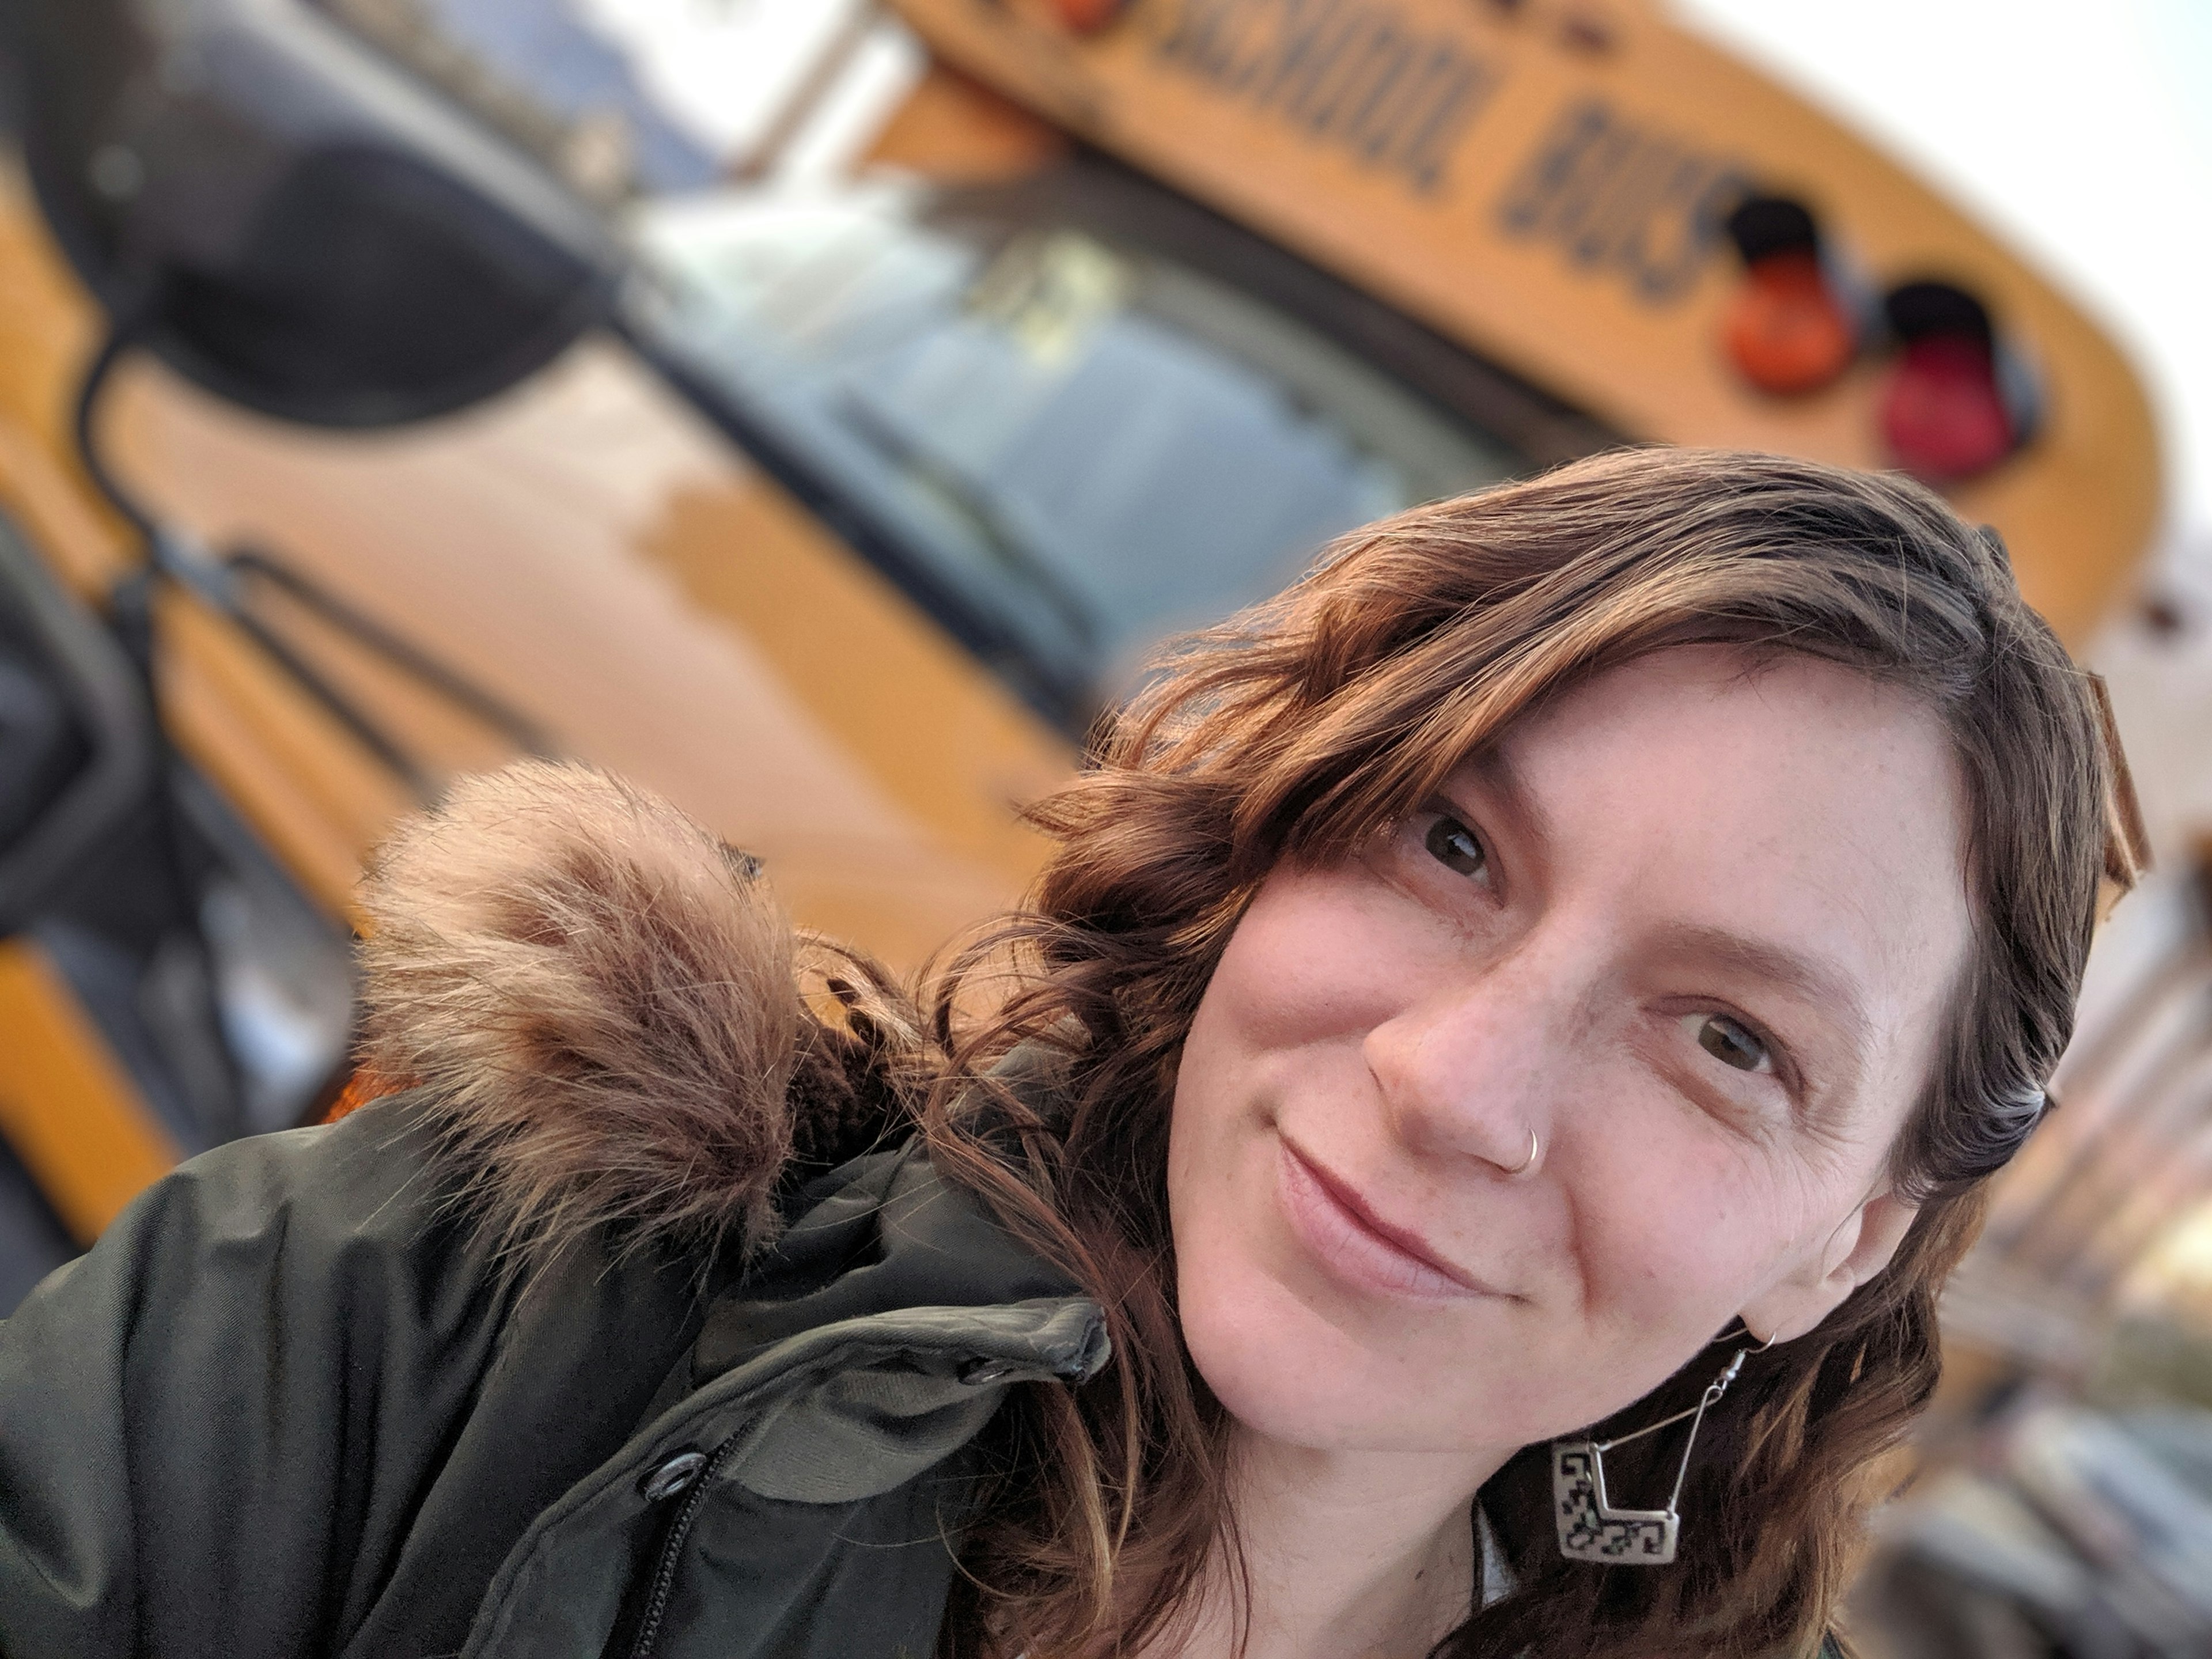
(598, 1000)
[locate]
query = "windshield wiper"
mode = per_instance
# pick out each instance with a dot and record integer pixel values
(1004, 546)
(1061, 694)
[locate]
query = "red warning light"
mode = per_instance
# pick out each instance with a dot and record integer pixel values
(1944, 413)
(1786, 329)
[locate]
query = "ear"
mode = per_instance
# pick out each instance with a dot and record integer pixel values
(1856, 1252)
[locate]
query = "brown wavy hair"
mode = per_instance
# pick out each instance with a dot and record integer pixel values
(1298, 729)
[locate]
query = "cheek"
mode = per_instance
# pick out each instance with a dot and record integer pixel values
(1315, 961)
(1280, 1028)
(1227, 1300)
(1677, 1226)
(1297, 990)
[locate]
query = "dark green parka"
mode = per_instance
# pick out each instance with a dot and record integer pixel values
(596, 1341)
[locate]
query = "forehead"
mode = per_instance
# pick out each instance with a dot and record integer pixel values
(1787, 803)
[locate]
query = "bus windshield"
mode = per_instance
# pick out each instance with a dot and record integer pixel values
(1090, 440)
(1070, 413)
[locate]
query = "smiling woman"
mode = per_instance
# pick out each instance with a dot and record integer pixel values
(1484, 1098)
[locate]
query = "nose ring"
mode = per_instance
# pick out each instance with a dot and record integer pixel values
(1535, 1150)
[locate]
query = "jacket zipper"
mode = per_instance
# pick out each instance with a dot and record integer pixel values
(664, 1572)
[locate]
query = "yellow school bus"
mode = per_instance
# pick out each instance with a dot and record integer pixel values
(832, 510)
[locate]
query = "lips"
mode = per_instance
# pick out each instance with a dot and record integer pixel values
(1359, 1247)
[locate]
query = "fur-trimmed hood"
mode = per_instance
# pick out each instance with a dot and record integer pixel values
(598, 1000)
(279, 1405)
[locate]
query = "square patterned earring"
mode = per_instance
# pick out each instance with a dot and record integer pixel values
(1590, 1529)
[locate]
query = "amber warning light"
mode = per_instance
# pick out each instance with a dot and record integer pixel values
(1787, 330)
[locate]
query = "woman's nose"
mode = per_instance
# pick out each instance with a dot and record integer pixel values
(1475, 1071)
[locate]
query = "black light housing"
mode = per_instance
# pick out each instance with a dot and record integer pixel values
(289, 219)
(1918, 309)
(1764, 225)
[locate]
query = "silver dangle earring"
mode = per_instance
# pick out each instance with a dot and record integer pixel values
(1590, 1529)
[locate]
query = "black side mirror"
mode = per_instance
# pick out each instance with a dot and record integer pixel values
(289, 220)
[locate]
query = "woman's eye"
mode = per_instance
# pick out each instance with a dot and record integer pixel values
(1453, 845)
(1729, 1042)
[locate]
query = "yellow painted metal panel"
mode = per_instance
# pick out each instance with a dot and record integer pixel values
(67, 1107)
(318, 798)
(587, 550)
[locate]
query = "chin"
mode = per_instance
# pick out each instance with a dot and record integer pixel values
(1285, 1373)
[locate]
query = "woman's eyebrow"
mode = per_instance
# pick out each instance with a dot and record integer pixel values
(1820, 984)
(1493, 770)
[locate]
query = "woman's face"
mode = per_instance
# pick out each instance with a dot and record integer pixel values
(1693, 928)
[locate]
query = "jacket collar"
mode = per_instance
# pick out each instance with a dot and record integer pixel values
(885, 1234)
